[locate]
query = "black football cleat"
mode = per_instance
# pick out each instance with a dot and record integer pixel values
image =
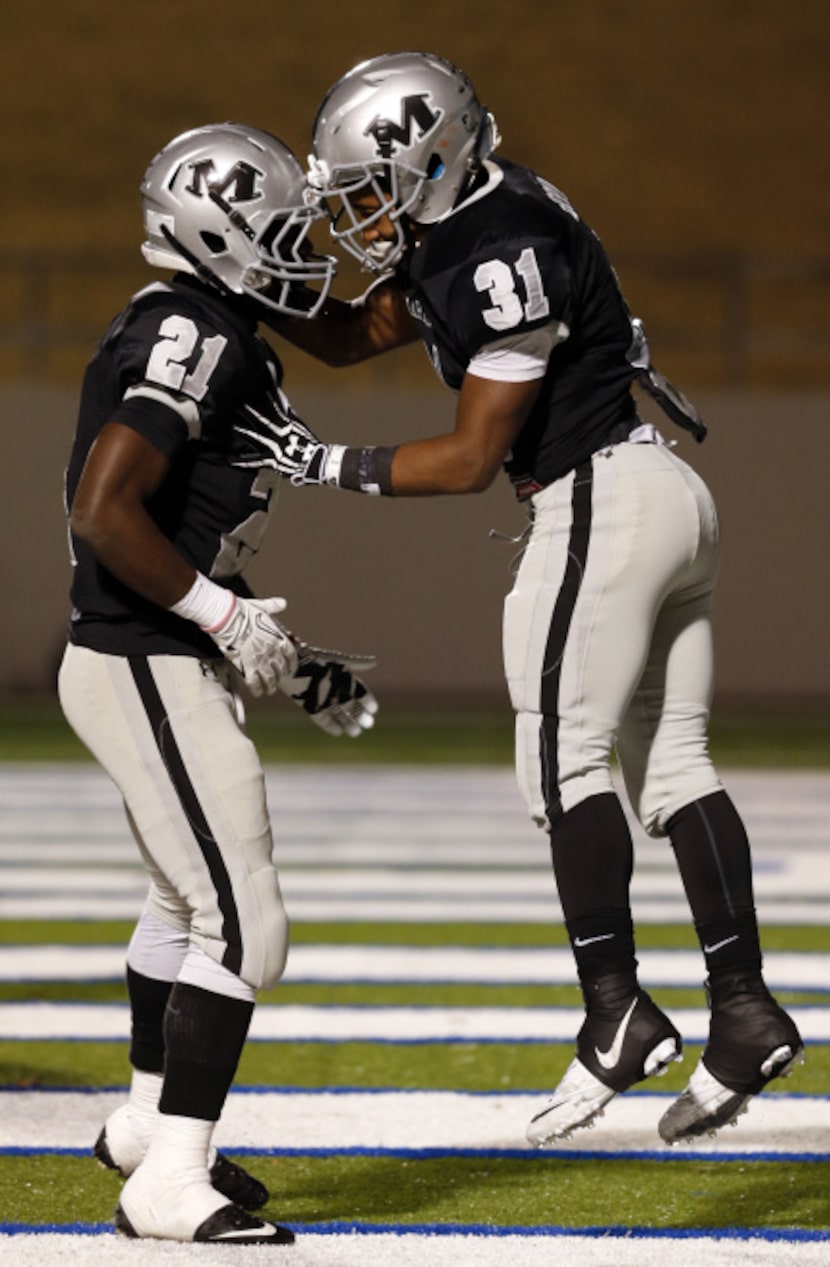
(624, 1039)
(751, 1041)
(228, 1225)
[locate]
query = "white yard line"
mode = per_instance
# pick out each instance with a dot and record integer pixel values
(290, 1023)
(460, 822)
(801, 878)
(421, 1120)
(398, 907)
(414, 1250)
(416, 844)
(425, 964)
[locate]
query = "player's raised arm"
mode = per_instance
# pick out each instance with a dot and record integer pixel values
(488, 418)
(344, 333)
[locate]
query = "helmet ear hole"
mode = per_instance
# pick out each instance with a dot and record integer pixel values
(214, 242)
(435, 166)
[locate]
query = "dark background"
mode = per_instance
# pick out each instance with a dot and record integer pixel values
(692, 136)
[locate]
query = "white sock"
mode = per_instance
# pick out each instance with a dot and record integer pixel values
(170, 1194)
(180, 1146)
(145, 1089)
(145, 1092)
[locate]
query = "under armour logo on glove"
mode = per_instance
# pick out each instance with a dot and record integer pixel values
(325, 687)
(289, 446)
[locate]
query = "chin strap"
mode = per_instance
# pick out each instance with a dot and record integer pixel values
(236, 217)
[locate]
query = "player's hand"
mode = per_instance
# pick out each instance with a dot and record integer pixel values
(256, 644)
(294, 451)
(324, 685)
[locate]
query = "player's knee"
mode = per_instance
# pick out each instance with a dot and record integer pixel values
(276, 953)
(659, 801)
(551, 789)
(265, 953)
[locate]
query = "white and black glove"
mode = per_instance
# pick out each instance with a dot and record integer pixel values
(297, 454)
(294, 450)
(324, 685)
(256, 644)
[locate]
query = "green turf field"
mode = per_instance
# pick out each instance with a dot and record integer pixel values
(667, 1191)
(33, 730)
(535, 1189)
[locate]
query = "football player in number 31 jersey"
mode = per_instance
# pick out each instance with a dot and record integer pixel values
(607, 631)
(170, 484)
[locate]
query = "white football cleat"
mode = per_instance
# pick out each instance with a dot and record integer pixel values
(578, 1101)
(125, 1137)
(185, 1207)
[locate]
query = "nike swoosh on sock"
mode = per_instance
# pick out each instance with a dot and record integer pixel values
(719, 945)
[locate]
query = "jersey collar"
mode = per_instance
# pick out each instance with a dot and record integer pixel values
(495, 176)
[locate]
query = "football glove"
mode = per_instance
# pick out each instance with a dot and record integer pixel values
(324, 685)
(256, 644)
(293, 450)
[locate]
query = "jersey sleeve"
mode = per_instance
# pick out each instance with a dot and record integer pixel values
(521, 357)
(509, 288)
(177, 375)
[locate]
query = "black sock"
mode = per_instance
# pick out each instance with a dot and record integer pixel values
(713, 856)
(204, 1035)
(148, 1000)
(592, 859)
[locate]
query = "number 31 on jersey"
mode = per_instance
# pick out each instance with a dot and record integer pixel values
(516, 293)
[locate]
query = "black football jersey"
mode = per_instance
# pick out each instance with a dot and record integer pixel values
(513, 260)
(188, 371)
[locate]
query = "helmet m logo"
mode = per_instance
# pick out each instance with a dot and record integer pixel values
(239, 185)
(415, 113)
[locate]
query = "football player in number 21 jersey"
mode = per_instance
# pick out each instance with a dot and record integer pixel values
(170, 484)
(607, 630)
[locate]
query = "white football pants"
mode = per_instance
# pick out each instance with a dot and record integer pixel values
(608, 636)
(165, 730)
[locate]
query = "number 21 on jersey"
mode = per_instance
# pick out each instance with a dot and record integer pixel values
(509, 304)
(169, 357)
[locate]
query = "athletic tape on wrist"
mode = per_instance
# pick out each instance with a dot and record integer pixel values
(205, 603)
(368, 470)
(332, 464)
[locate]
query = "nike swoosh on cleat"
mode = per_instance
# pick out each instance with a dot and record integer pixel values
(719, 945)
(608, 1059)
(586, 941)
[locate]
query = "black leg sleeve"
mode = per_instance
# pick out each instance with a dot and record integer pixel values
(713, 856)
(148, 1000)
(592, 861)
(204, 1035)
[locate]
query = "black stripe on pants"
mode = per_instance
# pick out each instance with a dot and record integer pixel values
(174, 764)
(581, 512)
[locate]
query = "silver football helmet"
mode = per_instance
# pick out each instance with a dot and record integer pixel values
(407, 127)
(230, 204)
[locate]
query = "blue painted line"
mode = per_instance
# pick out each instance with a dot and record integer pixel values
(553, 1230)
(792, 987)
(772, 1235)
(280, 1089)
(62, 1229)
(455, 1040)
(74, 1038)
(483, 1154)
